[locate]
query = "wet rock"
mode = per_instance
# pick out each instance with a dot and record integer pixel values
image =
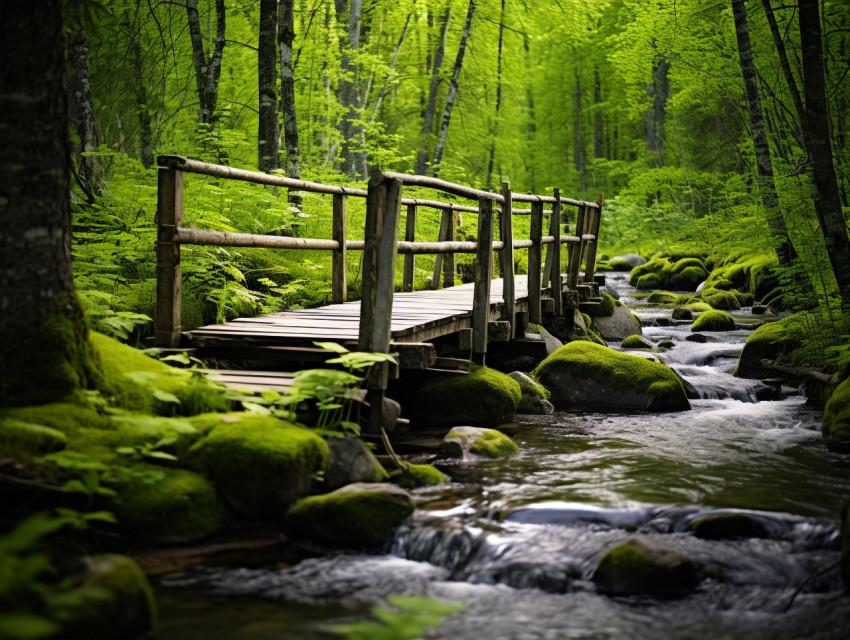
(696, 337)
(663, 322)
(582, 374)
(728, 526)
(535, 398)
(483, 398)
(636, 342)
(619, 325)
(355, 516)
(683, 313)
(690, 390)
(641, 566)
(759, 309)
(350, 461)
(768, 342)
(714, 321)
(631, 259)
(845, 546)
(666, 344)
(612, 291)
(768, 392)
(489, 443)
(664, 297)
(836, 419)
(552, 343)
(412, 476)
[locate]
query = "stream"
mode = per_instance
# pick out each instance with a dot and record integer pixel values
(515, 541)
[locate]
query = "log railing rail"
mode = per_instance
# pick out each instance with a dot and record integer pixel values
(381, 246)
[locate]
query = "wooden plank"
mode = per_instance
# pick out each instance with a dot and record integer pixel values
(590, 268)
(409, 259)
(340, 226)
(534, 259)
(169, 280)
(506, 257)
(483, 280)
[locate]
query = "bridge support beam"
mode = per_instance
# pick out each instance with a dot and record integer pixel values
(506, 258)
(169, 278)
(590, 267)
(535, 256)
(483, 278)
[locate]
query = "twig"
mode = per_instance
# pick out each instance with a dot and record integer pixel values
(385, 439)
(806, 581)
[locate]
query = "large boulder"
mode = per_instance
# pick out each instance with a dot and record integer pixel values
(261, 464)
(460, 442)
(585, 375)
(714, 321)
(836, 419)
(535, 398)
(619, 325)
(768, 342)
(629, 260)
(641, 566)
(355, 516)
(484, 398)
(350, 461)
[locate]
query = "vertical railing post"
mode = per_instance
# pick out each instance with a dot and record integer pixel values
(506, 257)
(483, 279)
(380, 250)
(590, 267)
(577, 249)
(555, 273)
(449, 260)
(535, 255)
(340, 226)
(409, 259)
(169, 280)
(445, 223)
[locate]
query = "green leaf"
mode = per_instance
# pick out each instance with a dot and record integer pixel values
(331, 346)
(160, 455)
(164, 396)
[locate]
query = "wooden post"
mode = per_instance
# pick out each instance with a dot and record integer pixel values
(169, 280)
(483, 278)
(590, 268)
(555, 274)
(449, 259)
(383, 203)
(506, 257)
(445, 222)
(576, 250)
(409, 259)
(340, 226)
(535, 254)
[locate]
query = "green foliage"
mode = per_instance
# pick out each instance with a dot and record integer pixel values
(406, 617)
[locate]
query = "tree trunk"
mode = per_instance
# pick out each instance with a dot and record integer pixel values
(816, 133)
(286, 35)
(347, 92)
(431, 108)
(383, 92)
(531, 132)
(81, 114)
(44, 352)
(579, 153)
(268, 133)
(450, 98)
(207, 70)
(143, 109)
(767, 187)
(598, 138)
(495, 132)
(659, 90)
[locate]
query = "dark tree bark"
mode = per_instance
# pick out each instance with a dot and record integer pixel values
(598, 138)
(81, 114)
(531, 132)
(817, 136)
(659, 90)
(142, 107)
(452, 95)
(579, 153)
(44, 350)
(495, 133)
(207, 69)
(764, 166)
(431, 106)
(786, 67)
(347, 92)
(286, 35)
(268, 133)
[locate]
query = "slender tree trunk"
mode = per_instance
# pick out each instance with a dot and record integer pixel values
(347, 92)
(786, 67)
(816, 132)
(431, 107)
(286, 35)
(764, 166)
(452, 95)
(81, 113)
(660, 92)
(143, 109)
(207, 70)
(598, 138)
(495, 133)
(531, 164)
(383, 92)
(44, 351)
(268, 132)
(579, 153)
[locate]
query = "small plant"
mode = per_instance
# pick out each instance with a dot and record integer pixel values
(406, 618)
(150, 450)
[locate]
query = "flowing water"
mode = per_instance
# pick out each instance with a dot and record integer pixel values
(516, 540)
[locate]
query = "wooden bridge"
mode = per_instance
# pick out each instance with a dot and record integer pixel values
(405, 323)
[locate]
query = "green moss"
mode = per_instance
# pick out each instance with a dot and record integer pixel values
(167, 506)
(484, 397)
(744, 299)
(605, 308)
(770, 341)
(494, 444)
(18, 437)
(698, 307)
(689, 279)
(650, 281)
(656, 266)
(689, 263)
(636, 342)
(417, 475)
(723, 300)
(836, 419)
(619, 265)
(528, 386)
(714, 321)
(635, 567)
(664, 297)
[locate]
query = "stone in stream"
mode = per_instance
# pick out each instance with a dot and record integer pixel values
(586, 375)
(836, 419)
(728, 526)
(632, 259)
(636, 342)
(619, 325)
(666, 344)
(845, 546)
(356, 516)
(768, 342)
(713, 321)
(641, 566)
(488, 443)
(350, 461)
(612, 291)
(683, 313)
(535, 398)
(696, 337)
(759, 309)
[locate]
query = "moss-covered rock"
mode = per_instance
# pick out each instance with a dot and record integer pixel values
(836, 419)
(723, 300)
(698, 307)
(350, 461)
(770, 341)
(125, 608)
(605, 308)
(643, 567)
(535, 397)
(24, 438)
(656, 267)
(728, 526)
(615, 264)
(744, 299)
(621, 324)
(714, 321)
(413, 476)
(664, 297)
(688, 280)
(636, 342)
(485, 397)
(259, 463)
(683, 313)
(157, 505)
(650, 281)
(487, 443)
(581, 374)
(355, 516)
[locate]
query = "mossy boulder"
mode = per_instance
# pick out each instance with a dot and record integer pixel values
(350, 461)
(664, 297)
(636, 342)
(615, 264)
(723, 300)
(698, 307)
(24, 438)
(714, 321)
(620, 325)
(743, 298)
(683, 313)
(605, 308)
(582, 328)
(689, 279)
(650, 281)
(770, 341)
(836, 419)
(728, 526)
(484, 397)
(487, 443)
(156, 505)
(585, 375)
(535, 398)
(628, 260)
(413, 476)
(354, 517)
(641, 566)
(259, 463)
(657, 267)
(124, 609)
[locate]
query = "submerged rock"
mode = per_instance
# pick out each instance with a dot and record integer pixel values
(683, 313)
(619, 325)
(836, 419)
(355, 516)
(641, 566)
(488, 443)
(535, 398)
(586, 375)
(696, 337)
(350, 461)
(728, 526)
(714, 321)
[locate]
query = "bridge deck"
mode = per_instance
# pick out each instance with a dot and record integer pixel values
(416, 317)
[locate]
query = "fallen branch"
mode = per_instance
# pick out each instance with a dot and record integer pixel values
(800, 372)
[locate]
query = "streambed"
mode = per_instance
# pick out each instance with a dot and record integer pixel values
(516, 540)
